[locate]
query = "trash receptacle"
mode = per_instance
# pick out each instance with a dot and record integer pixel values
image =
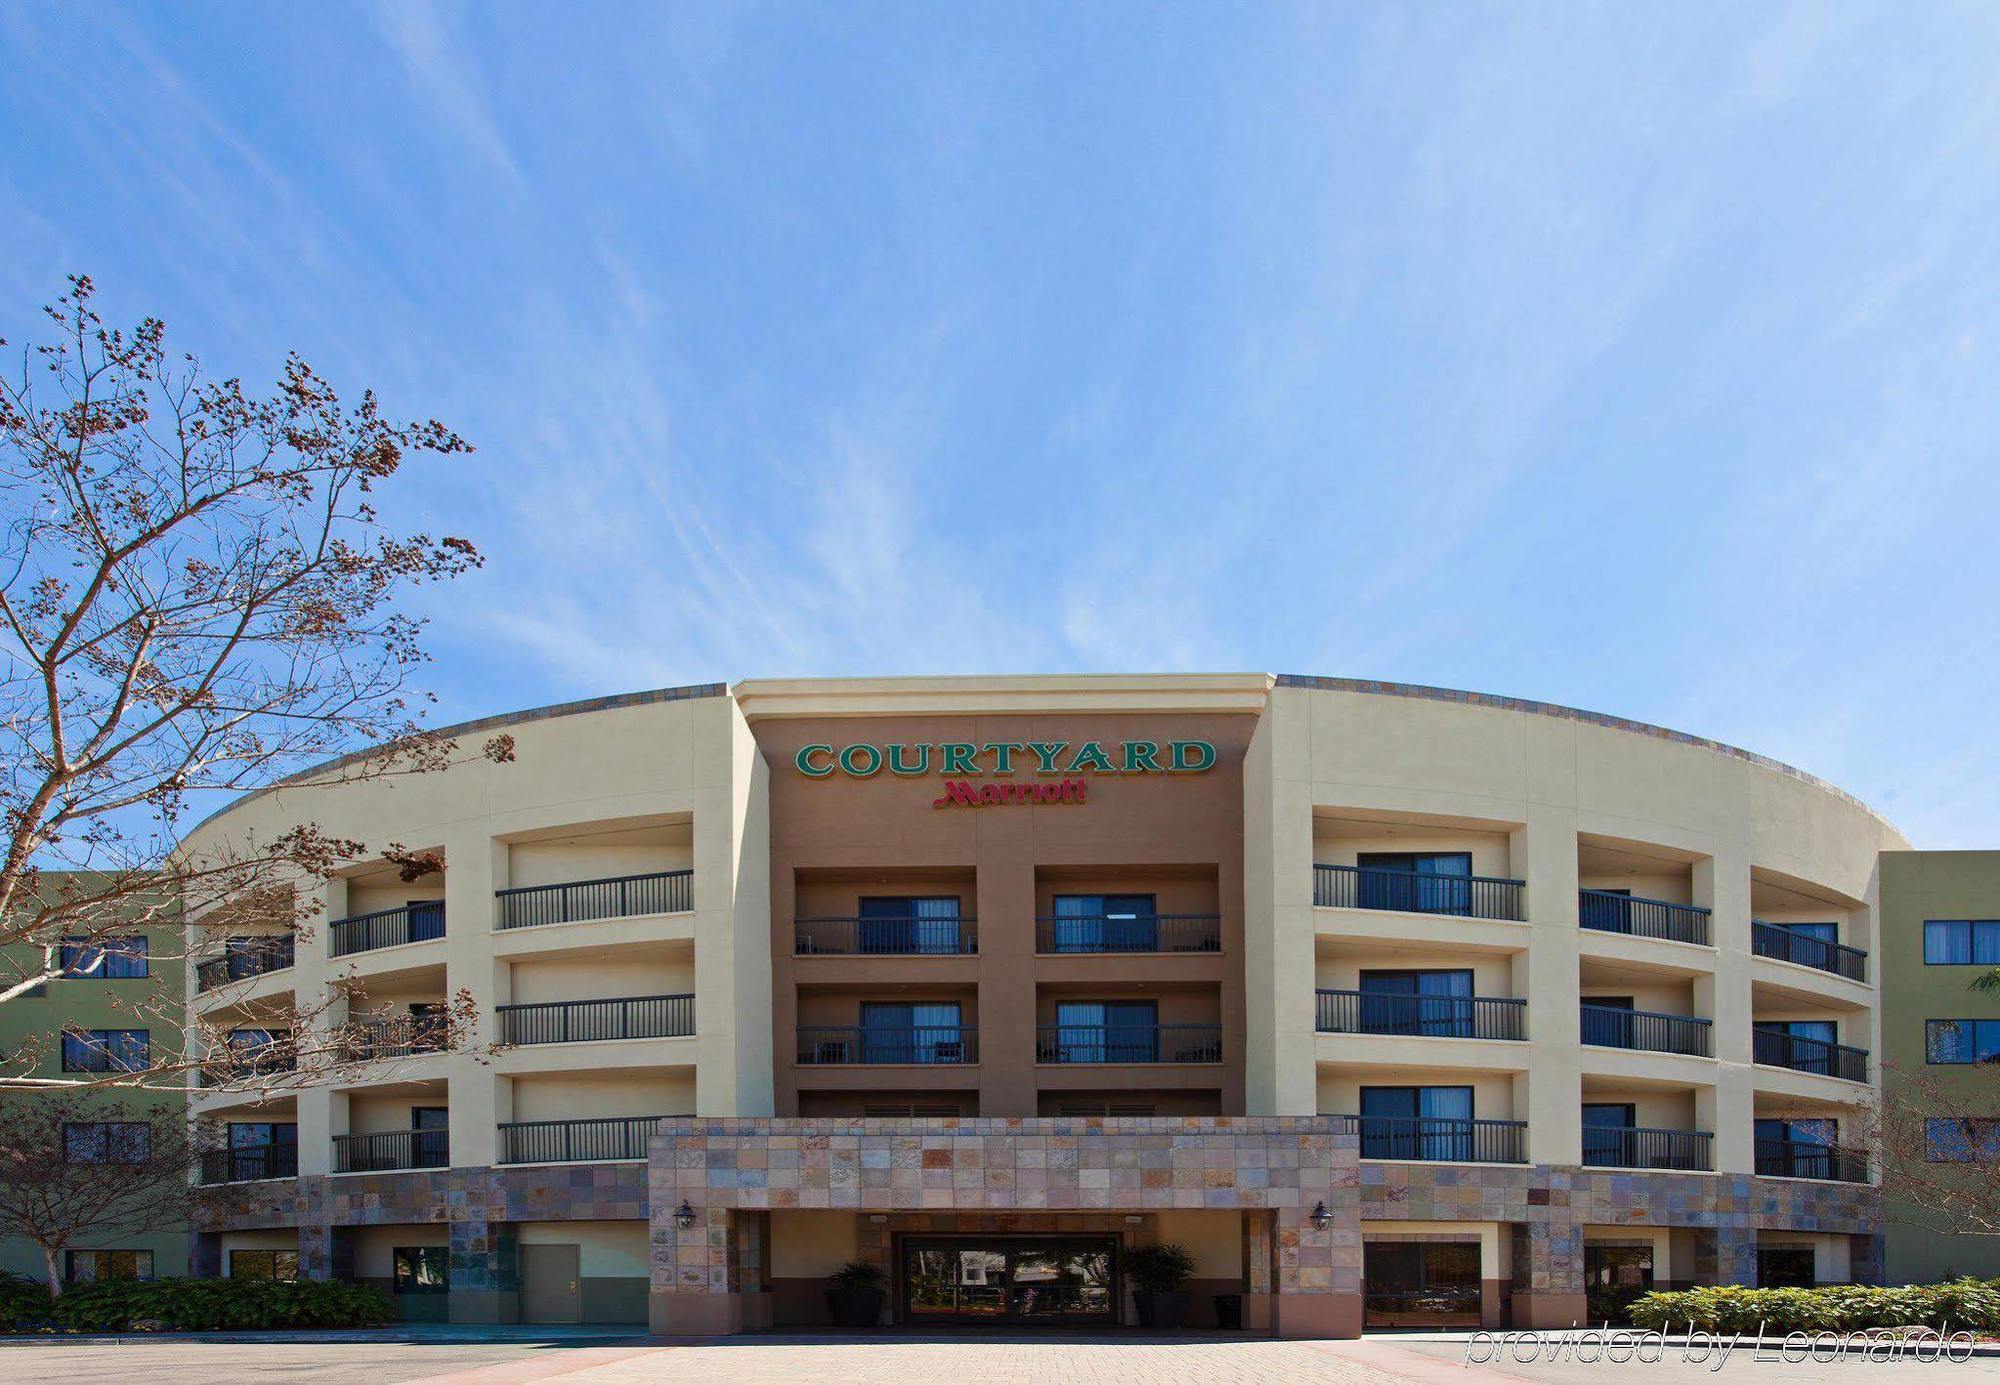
(1229, 1312)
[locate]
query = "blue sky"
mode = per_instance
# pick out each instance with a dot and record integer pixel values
(1635, 357)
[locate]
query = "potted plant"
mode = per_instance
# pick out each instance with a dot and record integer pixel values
(854, 1294)
(1160, 1276)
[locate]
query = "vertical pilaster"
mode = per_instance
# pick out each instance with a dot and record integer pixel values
(1280, 1074)
(1727, 1254)
(1722, 885)
(321, 1113)
(484, 1260)
(1548, 1271)
(325, 1251)
(475, 866)
(1543, 852)
(1006, 891)
(732, 923)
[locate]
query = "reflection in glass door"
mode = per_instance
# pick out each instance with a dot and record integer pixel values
(1009, 1279)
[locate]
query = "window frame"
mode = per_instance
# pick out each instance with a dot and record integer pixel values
(103, 1131)
(97, 1050)
(119, 950)
(1972, 1028)
(139, 1258)
(1973, 928)
(258, 1254)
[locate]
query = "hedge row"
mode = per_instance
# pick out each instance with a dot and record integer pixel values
(1960, 1303)
(192, 1305)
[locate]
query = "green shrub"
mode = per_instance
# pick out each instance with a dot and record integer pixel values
(1159, 1269)
(22, 1300)
(1961, 1303)
(202, 1305)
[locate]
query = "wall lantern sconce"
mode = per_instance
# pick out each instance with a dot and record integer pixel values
(1320, 1216)
(684, 1218)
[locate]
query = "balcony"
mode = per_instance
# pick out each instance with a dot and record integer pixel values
(243, 959)
(1803, 1159)
(1614, 1026)
(615, 897)
(1779, 1050)
(372, 1039)
(1432, 1016)
(576, 1141)
(248, 1163)
(1070, 935)
(1635, 1147)
(245, 1061)
(884, 937)
(1467, 896)
(395, 1149)
(1438, 1139)
(1607, 912)
(1784, 945)
(1135, 1043)
(413, 923)
(841, 1045)
(587, 1021)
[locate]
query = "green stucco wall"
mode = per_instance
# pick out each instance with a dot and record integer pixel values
(1915, 886)
(93, 1004)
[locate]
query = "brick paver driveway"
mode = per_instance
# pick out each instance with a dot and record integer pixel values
(902, 1360)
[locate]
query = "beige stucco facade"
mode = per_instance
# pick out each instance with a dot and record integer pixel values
(757, 985)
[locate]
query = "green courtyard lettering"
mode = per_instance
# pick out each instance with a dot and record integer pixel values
(961, 759)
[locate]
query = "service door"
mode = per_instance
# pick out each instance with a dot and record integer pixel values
(549, 1283)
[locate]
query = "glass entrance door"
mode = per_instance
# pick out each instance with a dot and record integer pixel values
(1019, 1279)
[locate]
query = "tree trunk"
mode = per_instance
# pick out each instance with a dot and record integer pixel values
(50, 1259)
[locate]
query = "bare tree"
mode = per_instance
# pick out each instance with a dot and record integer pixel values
(76, 1168)
(198, 597)
(1940, 1143)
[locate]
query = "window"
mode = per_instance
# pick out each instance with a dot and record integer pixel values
(1107, 1108)
(1106, 923)
(426, 919)
(916, 1112)
(1961, 1041)
(113, 959)
(1962, 1139)
(1107, 1031)
(1785, 1267)
(262, 1149)
(1433, 883)
(1417, 1002)
(1607, 1137)
(1961, 942)
(1416, 1123)
(281, 1265)
(1797, 1148)
(106, 1050)
(430, 1140)
(421, 1270)
(910, 924)
(895, 1032)
(83, 1266)
(107, 1142)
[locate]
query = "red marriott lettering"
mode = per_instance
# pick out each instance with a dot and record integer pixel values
(963, 791)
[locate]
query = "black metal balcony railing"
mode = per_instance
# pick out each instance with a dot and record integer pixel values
(1613, 1026)
(1644, 918)
(1128, 1043)
(372, 1039)
(1439, 1139)
(837, 1045)
(1635, 1147)
(1771, 940)
(413, 923)
(244, 1062)
(248, 1163)
(1436, 1016)
(1129, 933)
(1803, 1159)
(873, 937)
(586, 1021)
(246, 957)
(1470, 896)
(395, 1149)
(615, 897)
(577, 1141)
(1777, 1049)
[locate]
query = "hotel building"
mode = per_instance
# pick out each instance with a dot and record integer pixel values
(1390, 1004)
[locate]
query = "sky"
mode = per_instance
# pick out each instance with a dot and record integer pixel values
(1640, 358)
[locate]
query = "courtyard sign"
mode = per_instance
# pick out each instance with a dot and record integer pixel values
(1063, 761)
